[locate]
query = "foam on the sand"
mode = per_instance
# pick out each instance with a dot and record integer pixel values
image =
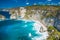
(37, 27)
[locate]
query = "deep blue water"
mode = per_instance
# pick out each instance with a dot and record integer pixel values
(17, 30)
(19, 3)
(5, 14)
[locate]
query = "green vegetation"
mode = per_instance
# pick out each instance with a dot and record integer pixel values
(51, 11)
(43, 7)
(54, 34)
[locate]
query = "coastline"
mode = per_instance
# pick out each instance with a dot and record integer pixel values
(37, 26)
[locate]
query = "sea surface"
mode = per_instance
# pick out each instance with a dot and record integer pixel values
(17, 30)
(20, 3)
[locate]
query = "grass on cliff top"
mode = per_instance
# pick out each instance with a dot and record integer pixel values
(54, 34)
(42, 7)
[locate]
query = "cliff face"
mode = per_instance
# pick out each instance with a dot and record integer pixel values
(45, 14)
(2, 17)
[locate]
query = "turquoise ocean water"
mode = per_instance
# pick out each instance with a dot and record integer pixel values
(17, 30)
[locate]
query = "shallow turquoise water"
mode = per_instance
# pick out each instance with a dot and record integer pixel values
(17, 30)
